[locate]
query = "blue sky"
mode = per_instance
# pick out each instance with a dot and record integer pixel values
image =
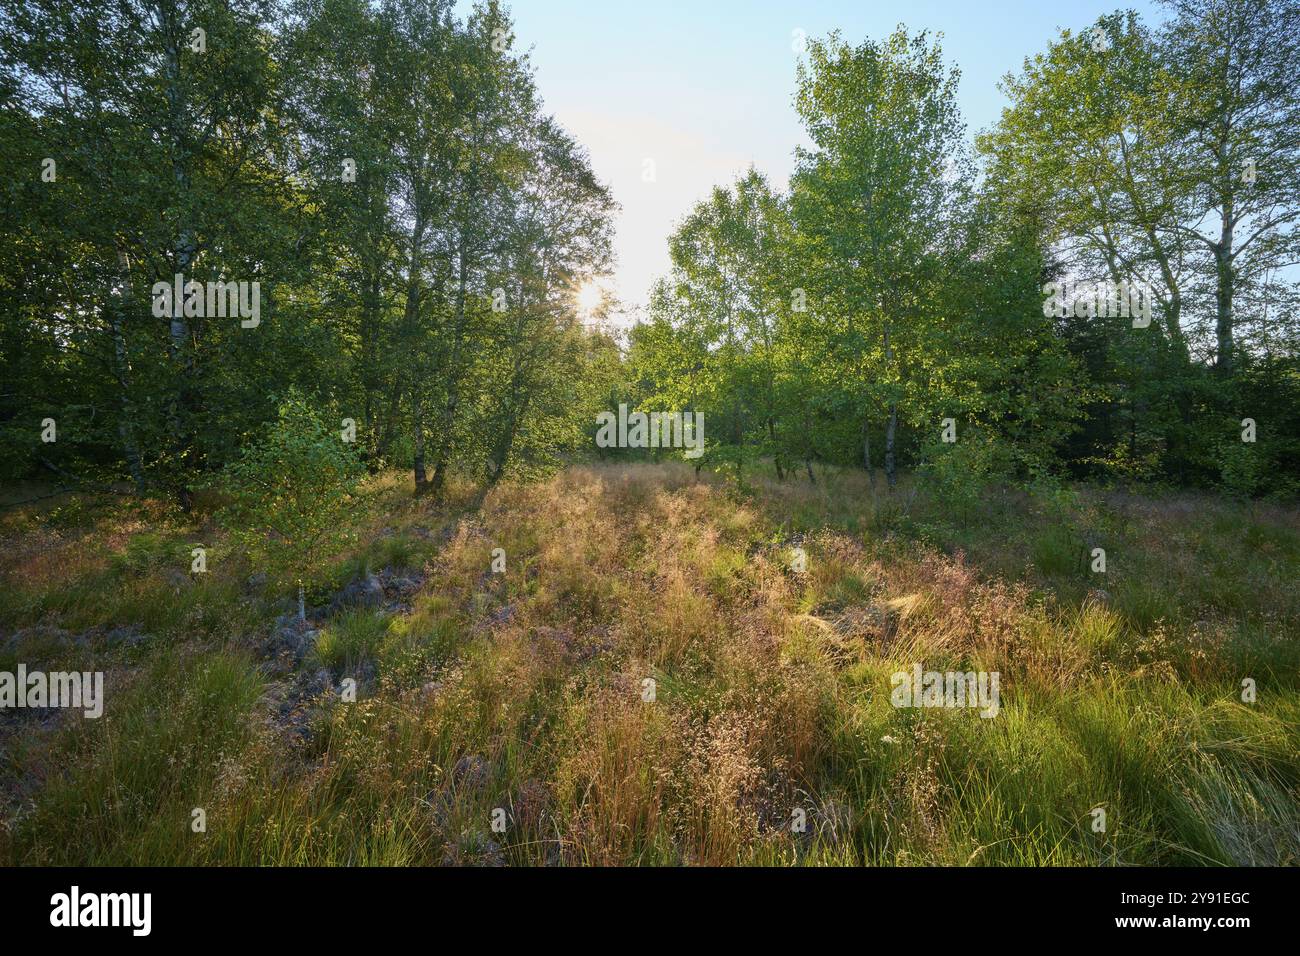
(703, 88)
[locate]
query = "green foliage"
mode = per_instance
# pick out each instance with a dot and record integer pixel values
(960, 474)
(293, 490)
(844, 321)
(384, 318)
(1241, 467)
(893, 287)
(1101, 152)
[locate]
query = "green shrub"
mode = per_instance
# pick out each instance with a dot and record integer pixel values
(292, 491)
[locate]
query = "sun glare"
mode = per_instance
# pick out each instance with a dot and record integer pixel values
(589, 296)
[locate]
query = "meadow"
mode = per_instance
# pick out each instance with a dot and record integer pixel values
(650, 680)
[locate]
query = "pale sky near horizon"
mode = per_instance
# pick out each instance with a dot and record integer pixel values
(704, 88)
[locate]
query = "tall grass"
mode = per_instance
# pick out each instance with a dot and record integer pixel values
(650, 682)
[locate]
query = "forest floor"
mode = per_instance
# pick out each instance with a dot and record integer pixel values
(651, 680)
